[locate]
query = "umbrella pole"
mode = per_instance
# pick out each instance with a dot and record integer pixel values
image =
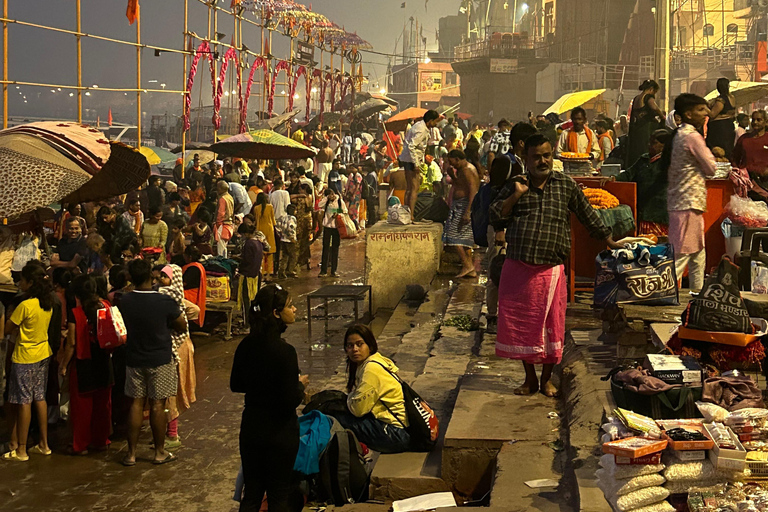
(184, 84)
(138, 78)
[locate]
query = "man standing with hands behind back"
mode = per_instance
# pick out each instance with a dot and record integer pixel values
(413, 154)
(536, 208)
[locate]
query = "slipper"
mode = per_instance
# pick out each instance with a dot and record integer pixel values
(12, 455)
(36, 449)
(168, 458)
(128, 463)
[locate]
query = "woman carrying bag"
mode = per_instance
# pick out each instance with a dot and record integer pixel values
(266, 369)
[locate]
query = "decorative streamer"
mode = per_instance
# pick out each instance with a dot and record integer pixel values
(281, 66)
(203, 49)
(230, 55)
(299, 72)
(258, 62)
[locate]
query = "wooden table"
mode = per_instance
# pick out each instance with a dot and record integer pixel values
(354, 293)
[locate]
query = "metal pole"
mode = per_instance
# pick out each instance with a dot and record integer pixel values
(138, 79)
(514, 16)
(5, 64)
(79, 68)
(184, 86)
(579, 64)
(215, 61)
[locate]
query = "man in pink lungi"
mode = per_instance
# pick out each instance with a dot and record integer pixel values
(536, 209)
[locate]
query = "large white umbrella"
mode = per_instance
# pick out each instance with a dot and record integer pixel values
(744, 92)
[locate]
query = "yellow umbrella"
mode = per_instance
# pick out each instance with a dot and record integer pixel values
(744, 92)
(568, 102)
(152, 157)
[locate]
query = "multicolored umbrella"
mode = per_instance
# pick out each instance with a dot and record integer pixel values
(42, 162)
(265, 144)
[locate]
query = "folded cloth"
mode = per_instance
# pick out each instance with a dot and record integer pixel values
(732, 393)
(642, 382)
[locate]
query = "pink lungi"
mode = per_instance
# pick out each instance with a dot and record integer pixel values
(531, 320)
(686, 231)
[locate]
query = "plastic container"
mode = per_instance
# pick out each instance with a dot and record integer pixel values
(634, 447)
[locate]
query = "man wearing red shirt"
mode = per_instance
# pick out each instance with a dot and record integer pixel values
(751, 153)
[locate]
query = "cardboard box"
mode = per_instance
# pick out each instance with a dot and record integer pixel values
(654, 458)
(634, 447)
(684, 370)
(689, 455)
(727, 458)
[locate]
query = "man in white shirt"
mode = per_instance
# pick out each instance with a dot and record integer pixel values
(579, 138)
(412, 157)
(279, 198)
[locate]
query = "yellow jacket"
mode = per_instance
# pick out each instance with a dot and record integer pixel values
(374, 387)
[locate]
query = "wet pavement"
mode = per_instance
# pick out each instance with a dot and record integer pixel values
(203, 477)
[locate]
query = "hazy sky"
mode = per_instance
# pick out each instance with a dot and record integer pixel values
(36, 55)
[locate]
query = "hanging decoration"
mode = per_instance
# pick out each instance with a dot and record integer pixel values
(230, 55)
(281, 66)
(307, 83)
(264, 64)
(335, 81)
(203, 49)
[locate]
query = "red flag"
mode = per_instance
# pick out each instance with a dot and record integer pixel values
(109, 117)
(132, 12)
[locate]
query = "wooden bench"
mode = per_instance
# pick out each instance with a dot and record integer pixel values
(354, 293)
(227, 308)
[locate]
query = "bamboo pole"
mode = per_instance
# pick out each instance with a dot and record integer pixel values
(5, 65)
(79, 67)
(184, 82)
(215, 61)
(138, 78)
(263, 76)
(87, 88)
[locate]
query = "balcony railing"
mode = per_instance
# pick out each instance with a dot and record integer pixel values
(506, 46)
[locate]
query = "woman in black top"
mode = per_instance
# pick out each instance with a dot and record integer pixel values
(266, 369)
(721, 133)
(645, 118)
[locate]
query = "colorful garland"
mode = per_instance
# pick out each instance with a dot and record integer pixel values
(230, 55)
(203, 49)
(281, 66)
(259, 62)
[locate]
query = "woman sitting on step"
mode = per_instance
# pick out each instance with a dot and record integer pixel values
(376, 405)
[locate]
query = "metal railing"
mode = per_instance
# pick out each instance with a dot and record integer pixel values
(507, 47)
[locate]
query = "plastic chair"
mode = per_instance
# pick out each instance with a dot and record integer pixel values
(754, 245)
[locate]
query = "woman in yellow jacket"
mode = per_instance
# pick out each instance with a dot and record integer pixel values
(376, 405)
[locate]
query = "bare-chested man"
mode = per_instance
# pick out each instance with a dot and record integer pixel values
(458, 227)
(324, 161)
(398, 184)
(412, 156)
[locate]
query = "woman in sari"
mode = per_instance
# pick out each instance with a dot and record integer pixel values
(224, 227)
(194, 280)
(353, 196)
(154, 233)
(264, 214)
(172, 284)
(304, 206)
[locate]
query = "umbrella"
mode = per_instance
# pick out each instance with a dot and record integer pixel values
(744, 92)
(266, 144)
(383, 97)
(124, 172)
(42, 162)
(370, 107)
(34, 174)
(568, 102)
(346, 102)
(277, 121)
(156, 155)
(205, 156)
(190, 145)
(329, 119)
(399, 122)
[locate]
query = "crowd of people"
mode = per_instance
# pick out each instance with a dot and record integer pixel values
(146, 254)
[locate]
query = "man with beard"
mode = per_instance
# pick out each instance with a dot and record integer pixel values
(536, 208)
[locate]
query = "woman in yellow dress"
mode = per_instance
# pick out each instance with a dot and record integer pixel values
(264, 215)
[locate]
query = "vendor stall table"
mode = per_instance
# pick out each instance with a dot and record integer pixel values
(584, 248)
(354, 293)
